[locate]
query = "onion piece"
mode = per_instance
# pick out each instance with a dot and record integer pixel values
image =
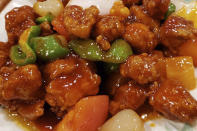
(49, 6)
(125, 120)
(104, 6)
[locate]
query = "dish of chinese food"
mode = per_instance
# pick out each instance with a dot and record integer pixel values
(94, 65)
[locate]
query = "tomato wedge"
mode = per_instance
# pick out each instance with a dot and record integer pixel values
(87, 115)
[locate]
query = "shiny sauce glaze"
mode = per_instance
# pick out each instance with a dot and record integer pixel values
(49, 120)
(45, 123)
(146, 112)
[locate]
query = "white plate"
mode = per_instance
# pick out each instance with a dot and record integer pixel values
(159, 124)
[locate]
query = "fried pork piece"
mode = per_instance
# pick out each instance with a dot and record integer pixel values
(32, 110)
(5, 71)
(23, 84)
(68, 86)
(156, 8)
(138, 15)
(129, 96)
(17, 20)
(119, 9)
(143, 68)
(46, 29)
(108, 29)
(79, 22)
(140, 37)
(4, 53)
(60, 68)
(15, 83)
(103, 42)
(174, 101)
(130, 2)
(176, 31)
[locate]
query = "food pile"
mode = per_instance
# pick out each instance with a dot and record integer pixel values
(95, 70)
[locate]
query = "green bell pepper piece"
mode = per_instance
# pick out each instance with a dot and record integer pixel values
(118, 53)
(49, 47)
(48, 18)
(171, 9)
(22, 54)
(87, 49)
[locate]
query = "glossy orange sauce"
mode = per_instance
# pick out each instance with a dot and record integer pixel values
(147, 113)
(49, 120)
(45, 123)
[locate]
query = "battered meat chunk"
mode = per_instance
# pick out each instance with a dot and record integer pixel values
(156, 8)
(4, 53)
(129, 96)
(31, 110)
(110, 27)
(23, 84)
(120, 10)
(107, 29)
(5, 71)
(143, 68)
(68, 87)
(103, 42)
(46, 29)
(3, 57)
(79, 22)
(20, 90)
(174, 101)
(140, 37)
(176, 31)
(138, 15)
(59, 68)
(17, 20)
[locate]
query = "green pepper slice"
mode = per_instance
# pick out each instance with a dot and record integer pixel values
(171, 9)
(22, 54)
(118, 53)
(87, 49)
(48, 18)
(49, 47)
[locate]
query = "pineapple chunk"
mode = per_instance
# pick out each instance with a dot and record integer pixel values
(189, 49)
(189, 12)
(182, 70)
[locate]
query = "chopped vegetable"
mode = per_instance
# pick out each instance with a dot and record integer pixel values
(88, 115)
(171, 9)
(189, 12)
(55, 7)
(23, 54)
(119, 52)
(88, 49)
(189, 49)
(48, 18)
(181, 69)
(50, 47)
(125, 120)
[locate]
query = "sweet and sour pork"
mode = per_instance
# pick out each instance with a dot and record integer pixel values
(71, 79)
